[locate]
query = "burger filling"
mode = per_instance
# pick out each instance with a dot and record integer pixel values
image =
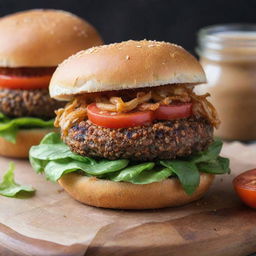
(130, 108)
(139, 136)
(28, 103)
(24, 100)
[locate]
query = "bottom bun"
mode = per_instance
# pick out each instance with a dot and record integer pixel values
(25, 139)
(122, 195)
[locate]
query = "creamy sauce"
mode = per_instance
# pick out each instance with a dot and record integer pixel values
(232, 85)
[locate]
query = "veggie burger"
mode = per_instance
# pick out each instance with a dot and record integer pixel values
(134, 135)
(32, 44)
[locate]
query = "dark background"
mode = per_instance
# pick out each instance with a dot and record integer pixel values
(174, 21)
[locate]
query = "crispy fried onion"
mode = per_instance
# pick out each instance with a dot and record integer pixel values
(142, 101)
(202, 107)
(73, 112)
(150, 100)
(116, 104)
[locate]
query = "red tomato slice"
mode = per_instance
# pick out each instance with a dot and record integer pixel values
(26, 83)
(110, 120)
(245, 186)
(171, 112)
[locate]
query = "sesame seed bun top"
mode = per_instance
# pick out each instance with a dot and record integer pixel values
(43, 38)
(126, 65)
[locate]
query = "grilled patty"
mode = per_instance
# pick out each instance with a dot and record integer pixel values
(33, 103)
(160, 140)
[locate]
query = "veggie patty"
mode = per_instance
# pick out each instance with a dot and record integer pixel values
(160, 140)
(32, 103)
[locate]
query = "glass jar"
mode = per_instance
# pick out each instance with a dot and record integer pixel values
(228, 56)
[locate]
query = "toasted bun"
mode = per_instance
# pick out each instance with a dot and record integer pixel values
(24, 141)
(126, 65)
(39, 38)
(122, 195)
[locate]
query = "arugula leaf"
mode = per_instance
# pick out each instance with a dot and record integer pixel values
(9, 127)
(187, 173)
(9, 188)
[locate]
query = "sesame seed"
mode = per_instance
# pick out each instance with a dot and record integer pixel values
(127, 57)
(91, 50)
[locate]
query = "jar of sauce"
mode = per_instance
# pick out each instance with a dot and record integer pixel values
(228, 56)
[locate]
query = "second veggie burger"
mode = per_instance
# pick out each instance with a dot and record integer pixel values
(32, 44)
(136, 135)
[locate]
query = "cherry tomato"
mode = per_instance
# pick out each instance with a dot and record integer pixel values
(116, 120)
(171, 112)
(25, 83)
(245, 187)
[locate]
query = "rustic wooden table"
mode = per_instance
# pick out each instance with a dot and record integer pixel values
(51, 223)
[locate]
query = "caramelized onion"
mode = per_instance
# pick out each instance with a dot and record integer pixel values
(116, 104)
(202, 107)
(144, 100)
(73, 112)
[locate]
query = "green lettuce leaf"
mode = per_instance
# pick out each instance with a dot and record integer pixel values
(10, 126)
(65, 166)
(129, 174)
(9, 134)
(56, 150)
(52, 138)
(141, 174)
(187, 173)
(220, 165)
(9, 188)
(211, 153)
(55, 159)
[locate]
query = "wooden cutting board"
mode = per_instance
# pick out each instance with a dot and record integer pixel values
(51, 223)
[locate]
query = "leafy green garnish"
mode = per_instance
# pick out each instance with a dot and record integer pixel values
(187, 173)
(54, 158)
(10, 126)
(219, 165)
(211, 153)
(9, 188)
(152, 176)
(132, 173)
(64, 166)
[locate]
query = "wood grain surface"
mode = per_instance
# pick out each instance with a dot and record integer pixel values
(218, 224)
